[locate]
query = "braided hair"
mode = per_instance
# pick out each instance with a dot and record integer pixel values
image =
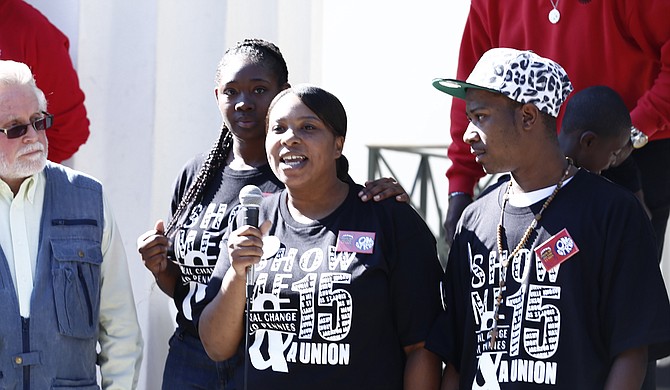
(257, 51)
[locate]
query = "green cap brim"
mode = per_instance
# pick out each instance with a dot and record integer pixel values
(456, 88)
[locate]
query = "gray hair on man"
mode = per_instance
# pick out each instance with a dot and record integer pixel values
(18, 73)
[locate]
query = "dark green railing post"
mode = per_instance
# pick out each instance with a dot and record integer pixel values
(379, 166)
(373, 162)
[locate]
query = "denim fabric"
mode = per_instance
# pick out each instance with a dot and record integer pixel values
(188, 366)
(56, 347)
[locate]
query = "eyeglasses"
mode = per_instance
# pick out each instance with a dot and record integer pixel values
(42, 123)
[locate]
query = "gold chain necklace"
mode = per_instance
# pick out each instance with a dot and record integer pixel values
(524, 240)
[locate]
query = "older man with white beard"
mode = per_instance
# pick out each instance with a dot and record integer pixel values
(64, 282)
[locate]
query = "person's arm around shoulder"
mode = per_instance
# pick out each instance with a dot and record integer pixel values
(221, 325)
(422, 368)
(383, 188)
(119, 334)
(153, 247)
(628, 370)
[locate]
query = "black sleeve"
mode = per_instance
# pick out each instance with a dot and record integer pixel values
(635, 311)
(415, 278)
(186, 176)
(446, 335)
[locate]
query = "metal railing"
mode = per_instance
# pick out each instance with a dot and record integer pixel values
(428, 189)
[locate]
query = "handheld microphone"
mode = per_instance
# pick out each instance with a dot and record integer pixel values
(250, 200)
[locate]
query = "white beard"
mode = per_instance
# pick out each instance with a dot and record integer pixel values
(24, 167)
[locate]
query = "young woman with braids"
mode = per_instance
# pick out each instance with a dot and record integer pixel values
(182, 255)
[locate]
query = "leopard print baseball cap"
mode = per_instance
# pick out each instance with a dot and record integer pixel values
(520, 75)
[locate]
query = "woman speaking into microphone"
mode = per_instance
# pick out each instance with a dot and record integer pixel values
(343, 291)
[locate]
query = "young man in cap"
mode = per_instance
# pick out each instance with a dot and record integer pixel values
(552, 279)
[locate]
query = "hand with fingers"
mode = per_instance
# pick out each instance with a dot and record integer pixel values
(153, 247)
(245, 247)
(383, 188)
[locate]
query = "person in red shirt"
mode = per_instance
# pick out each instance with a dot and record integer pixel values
(29, 37)
(623, 44)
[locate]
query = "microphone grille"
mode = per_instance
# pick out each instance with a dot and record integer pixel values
(250, 195)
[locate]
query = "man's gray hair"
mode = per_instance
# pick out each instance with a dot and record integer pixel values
(18, 73)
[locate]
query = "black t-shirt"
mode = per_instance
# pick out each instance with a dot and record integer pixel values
(334, 306)
(195, 244)
(560, 328)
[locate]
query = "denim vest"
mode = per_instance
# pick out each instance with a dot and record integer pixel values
(56, 347)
